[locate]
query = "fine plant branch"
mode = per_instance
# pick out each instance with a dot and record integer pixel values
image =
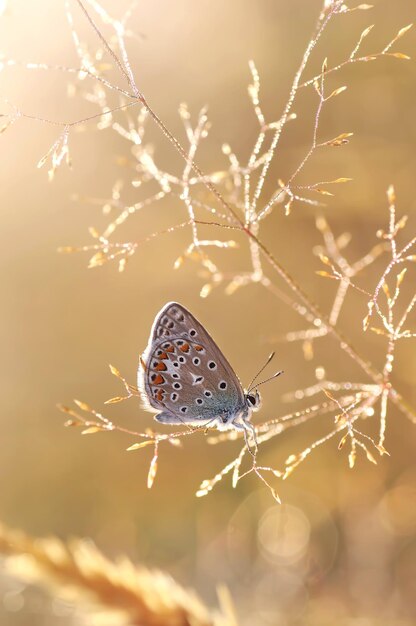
(127, 73)
(367, 367)
(238, 191)
(363, 59)
(323, 21)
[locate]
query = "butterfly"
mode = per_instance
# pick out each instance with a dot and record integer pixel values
(186, 379)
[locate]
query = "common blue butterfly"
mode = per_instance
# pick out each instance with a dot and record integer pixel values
(185, 378)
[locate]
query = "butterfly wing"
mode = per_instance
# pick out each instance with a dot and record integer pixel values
(183, 372)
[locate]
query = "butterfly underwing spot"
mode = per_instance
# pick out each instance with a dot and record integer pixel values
(199, 401)
(212, 365)
(199, 348)
(177, 314)
(196, 379)
(207, 393)
(167, 323)
(160, 367)
(177, 386)
(157, 379)
(173, 397)
(175, 364)
(181, 359)
(175, 375)
(183, 409)
(184, 347)
(222, 385)
(196, 360)
(163, 332)
(192, 332)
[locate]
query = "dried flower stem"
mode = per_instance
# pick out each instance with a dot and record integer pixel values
(125, 593)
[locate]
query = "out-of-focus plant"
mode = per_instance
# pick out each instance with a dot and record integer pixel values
(239, 206)
(108, 592)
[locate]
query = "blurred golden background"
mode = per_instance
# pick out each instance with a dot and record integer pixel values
(341, 549)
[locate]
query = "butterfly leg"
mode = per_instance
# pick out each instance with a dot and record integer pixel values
(248, 428)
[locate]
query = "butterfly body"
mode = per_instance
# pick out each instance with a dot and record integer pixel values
(186, 379)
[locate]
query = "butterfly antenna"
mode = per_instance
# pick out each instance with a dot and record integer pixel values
(270, 357)
(267, 379)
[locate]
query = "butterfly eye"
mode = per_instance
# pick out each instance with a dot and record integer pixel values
(254, 400)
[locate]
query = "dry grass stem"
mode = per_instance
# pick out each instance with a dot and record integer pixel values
(108, 592)
(235, 213)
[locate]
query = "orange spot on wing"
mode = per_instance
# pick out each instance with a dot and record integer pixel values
(159, 395)
(184, 348)
(163, 356)
(161, 367)
(170, 349)
(198, 348)
(158, 380)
